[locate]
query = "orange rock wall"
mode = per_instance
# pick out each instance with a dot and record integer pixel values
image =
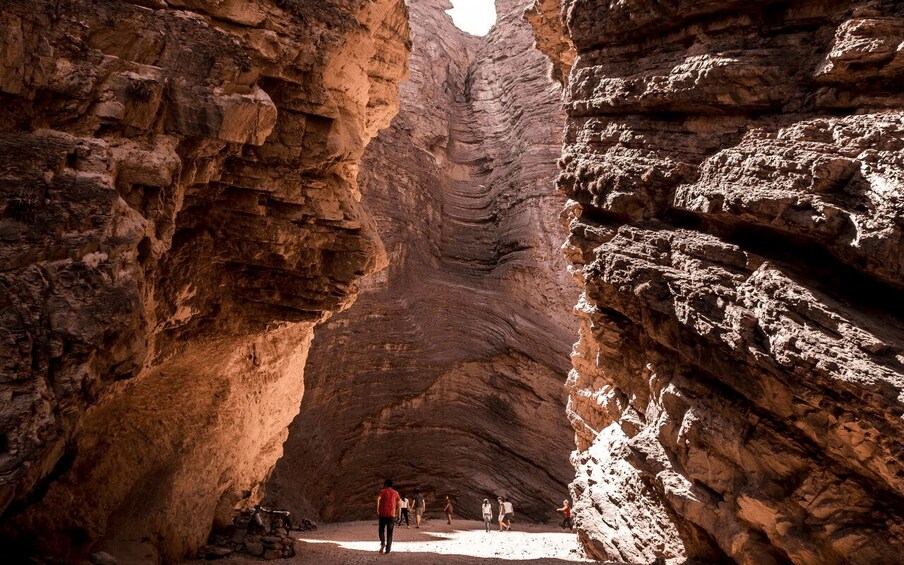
(178, 208)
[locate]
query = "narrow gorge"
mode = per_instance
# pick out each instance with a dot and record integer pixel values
(447, 372)
(275, 251)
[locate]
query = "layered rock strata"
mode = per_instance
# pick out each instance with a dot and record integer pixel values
(178, 208)
(736, 171)
(447, 372)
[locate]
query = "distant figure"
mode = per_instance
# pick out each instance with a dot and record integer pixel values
(420, 506)
(487, 511)
(566, 510)
(509, 513)
(448, 510)
(501, 516)
(388, 507)
(404, 513)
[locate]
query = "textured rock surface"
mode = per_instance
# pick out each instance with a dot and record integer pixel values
(447, 372)
(178, 207)
(736, 171)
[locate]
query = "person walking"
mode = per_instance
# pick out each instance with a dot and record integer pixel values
(404, 512)
(509, 513)
(420, 506)
(388, 507)
(448, 510)
(487, 512)
(501, 516)
(566, 510)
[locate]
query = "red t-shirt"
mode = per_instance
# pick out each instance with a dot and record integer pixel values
(388, 500)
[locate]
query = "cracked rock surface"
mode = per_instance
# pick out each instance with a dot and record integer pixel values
(178, 208)
(447, 372)
(735, 173)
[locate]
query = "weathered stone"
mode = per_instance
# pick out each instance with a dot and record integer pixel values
(178, 208)
(737, 213)
(254, 548)
(102, 558)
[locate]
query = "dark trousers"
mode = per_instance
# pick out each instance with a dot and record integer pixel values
(387, 524)
(566, 523)
(404, 516)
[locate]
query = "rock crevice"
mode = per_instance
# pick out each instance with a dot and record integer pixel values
(447, 372)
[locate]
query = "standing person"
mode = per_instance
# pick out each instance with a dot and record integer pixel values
(501, 516)
(404, 512)
(420, 506)
(388, 507)
(566, 510)
(487, 512)
(509, 513)
(448, 510)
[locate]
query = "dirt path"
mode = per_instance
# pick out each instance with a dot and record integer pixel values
(463, 543)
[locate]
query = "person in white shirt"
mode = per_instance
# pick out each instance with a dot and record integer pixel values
(509, 513)
(487, 511)
(403, 515)
(501, 516)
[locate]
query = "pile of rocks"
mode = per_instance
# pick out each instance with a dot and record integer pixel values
(250, 535)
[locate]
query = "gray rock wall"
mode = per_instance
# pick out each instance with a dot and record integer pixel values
(736, 174)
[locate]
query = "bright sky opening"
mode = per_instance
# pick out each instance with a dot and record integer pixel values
(473, 16)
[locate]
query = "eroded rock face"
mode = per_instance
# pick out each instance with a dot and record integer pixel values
(179, 208)
(736, 171)
(447, 372)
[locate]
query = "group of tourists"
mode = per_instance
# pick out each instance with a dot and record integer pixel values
(506, 511)
(417, 505)
(393, 508)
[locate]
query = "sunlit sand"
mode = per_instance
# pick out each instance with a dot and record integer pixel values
(465, 542)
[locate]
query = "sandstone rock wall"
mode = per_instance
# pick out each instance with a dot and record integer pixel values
(447, 372)
(178, 208)
(736, 176)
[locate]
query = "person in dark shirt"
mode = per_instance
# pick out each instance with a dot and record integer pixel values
(388, 508)
(420, 506)
(448, 510)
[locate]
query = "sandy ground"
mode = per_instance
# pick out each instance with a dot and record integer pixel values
(436, 543)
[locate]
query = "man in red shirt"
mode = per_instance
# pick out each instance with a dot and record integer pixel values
(389, 506)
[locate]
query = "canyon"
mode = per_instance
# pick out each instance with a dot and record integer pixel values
(735, 175)
(220, 286)
(446, 374)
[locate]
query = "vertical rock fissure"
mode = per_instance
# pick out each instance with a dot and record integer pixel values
(447, 373)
